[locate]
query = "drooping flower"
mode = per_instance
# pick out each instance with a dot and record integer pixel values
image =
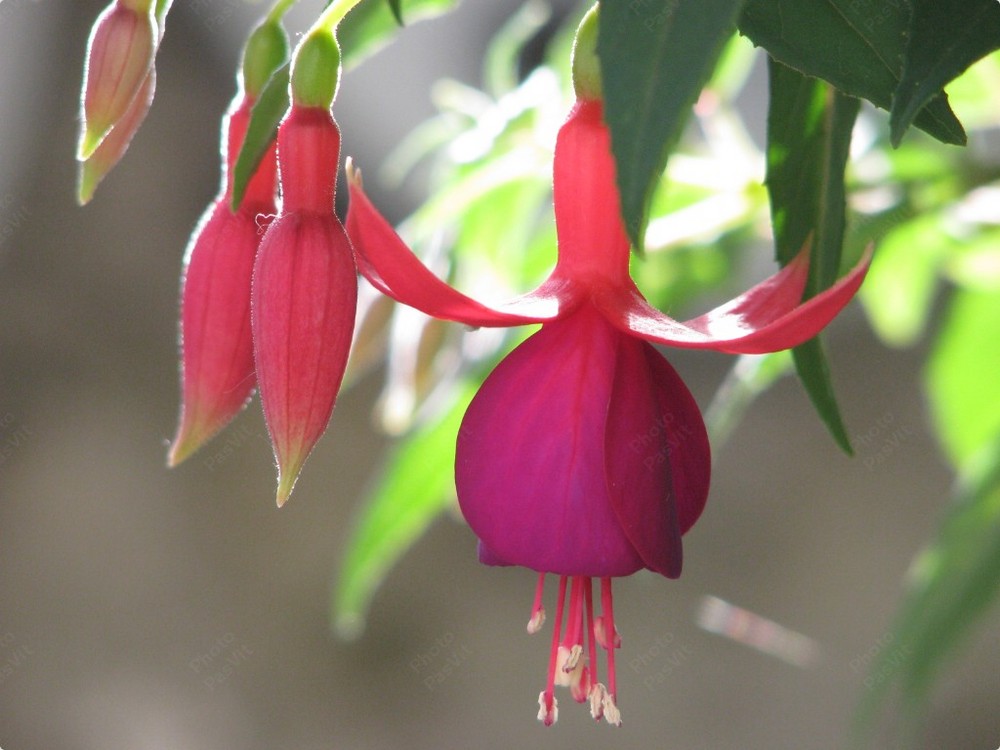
(304, 295)
(94, 168)
(105, 87)
(119, 57)
(583, 454)
(217, 366)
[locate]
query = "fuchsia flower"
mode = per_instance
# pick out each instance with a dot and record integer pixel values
(119, 60)
(217, 365)
(583, 454)
(304, 294)
(112, 148)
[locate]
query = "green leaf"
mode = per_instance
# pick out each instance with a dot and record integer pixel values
(900, 285)
(961, 376)
(267, 112)
(362, 32)
(945, 38)
(500, 63)
(749, 377)
(397, 11)
(856, 46)
(655, 57)
(371, 24)
(952, 584)
(808, 138)
(414, 488)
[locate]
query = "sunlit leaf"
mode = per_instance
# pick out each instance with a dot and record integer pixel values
(808, 137)
(962, 374)
(945, 38)
(414, 488)
(500, 63)
(856, 46)
(265, 117)
(372, 24)
(655, 57)
(749, 377)
(397, 11)
(952, 584)
(899, 289)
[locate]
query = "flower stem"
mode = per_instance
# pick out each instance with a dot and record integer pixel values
(278, 11)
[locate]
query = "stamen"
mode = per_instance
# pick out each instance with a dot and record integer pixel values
(548, 708)
(537, 610)
(600, 632)
(546, 700)
(570, 657)
(580, 687)
(598, 693)
(588, 596)
(574, 625)
(611, 713)
(608, 614)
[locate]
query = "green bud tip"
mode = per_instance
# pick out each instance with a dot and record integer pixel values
(586, 65)
(266, 51)
(316, 70)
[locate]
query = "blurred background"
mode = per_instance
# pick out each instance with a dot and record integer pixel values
(142, 607)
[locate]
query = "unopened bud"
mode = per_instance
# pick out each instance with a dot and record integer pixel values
(266, 51)
(119, 58)
(93, 169)
(316, 70)
(586, 65)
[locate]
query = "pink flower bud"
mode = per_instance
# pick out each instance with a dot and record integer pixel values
(120, 55)
(304, 294)
(104, 158)
(217, 346)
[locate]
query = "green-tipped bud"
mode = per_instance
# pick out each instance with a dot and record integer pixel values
(586, 65)
(265, 52)
(138, 6)
(316, 70)
(119, 57)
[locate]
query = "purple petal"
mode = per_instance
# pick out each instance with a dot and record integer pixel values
(530, 463)
(658, 457)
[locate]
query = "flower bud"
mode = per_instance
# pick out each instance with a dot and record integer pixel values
(217, 367)
(120, 55)
(94, 169)
(586, 64)
(266, 51)
(316, 70)
(304, 295)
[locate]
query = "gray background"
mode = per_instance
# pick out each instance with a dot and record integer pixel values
(125, 588)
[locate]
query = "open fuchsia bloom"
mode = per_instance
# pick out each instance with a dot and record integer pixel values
(583, 454)
(305, 285)
(217, 366)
